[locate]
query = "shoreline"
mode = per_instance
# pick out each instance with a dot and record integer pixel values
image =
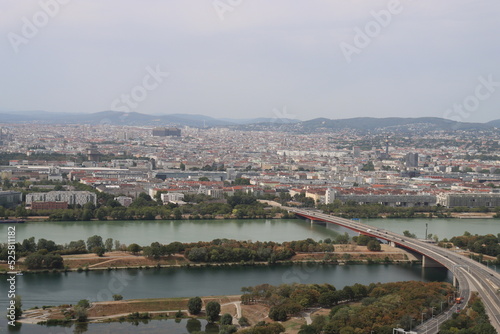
(116, 260)
(419, 215)
(40, 316)
(228, 264)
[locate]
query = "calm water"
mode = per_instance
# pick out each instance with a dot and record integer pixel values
(156, 326)
(146, 232)
(166, 231)
(68, 288)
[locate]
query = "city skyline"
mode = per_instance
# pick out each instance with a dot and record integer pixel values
(232, 59)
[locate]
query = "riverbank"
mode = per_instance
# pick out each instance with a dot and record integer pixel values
(270, 214)
(343, 254)
(158, 308)
(166, 308)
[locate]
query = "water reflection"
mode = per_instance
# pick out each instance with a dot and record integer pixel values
(193, 325)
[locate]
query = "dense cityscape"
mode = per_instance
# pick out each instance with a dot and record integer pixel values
(417, 169)
(106, 172)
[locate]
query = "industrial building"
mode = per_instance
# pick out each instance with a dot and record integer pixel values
(9, 199)
(70, 197)
(471, 200)
(400, 200)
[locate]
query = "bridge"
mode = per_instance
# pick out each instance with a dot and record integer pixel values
(468, 274)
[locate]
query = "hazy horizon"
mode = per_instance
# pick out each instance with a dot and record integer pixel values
(238, 59)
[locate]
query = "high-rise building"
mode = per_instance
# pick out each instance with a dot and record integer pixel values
(166, 132)
(356, 151)
(92, 153)
(411, 160)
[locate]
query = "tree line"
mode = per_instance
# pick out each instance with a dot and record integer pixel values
(352, 209)
(144, 207)
(46, 254)
(473, 320)
(481, 244)
(378, 308)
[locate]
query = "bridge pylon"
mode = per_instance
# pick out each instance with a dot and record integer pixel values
(427, 262)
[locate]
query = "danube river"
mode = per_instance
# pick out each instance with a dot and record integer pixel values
(68, 288)
(61, 288)
(166, 231)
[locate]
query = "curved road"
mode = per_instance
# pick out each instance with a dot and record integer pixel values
(471, 275)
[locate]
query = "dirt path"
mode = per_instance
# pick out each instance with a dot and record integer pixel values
(112, 260)
(307, 315)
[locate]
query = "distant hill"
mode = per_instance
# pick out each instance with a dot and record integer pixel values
(495, 123)
(278, 120)
(370, 123)
(112, 117)
(283, 124)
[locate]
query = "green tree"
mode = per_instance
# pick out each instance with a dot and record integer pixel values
(408, 234)
(18, 311)
(134, 248)
(49, 245)
(86, 215)
(278, 313)
(29, 245)
(177, 214)
(34, 261)
(243, 322)
(212, 310)
(117, 297)
(241, 181)
(374, 246)
(101, 214)
(194, 305)
(80, 314)
(108, 244)
(228, 329)
(99, 251)
(368, 167)
(94, 241)
(83, 303)
(21, 211)
(226, 319)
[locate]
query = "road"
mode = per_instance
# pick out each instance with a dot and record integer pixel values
(471, 275)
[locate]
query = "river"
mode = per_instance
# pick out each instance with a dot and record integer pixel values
(166, 231)
(68, 288)
(60, 288)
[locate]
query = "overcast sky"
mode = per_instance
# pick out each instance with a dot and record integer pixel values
(253, 58)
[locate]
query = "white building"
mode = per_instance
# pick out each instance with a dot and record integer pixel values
(172, 197)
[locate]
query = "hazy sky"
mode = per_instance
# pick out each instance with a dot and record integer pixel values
(253, 58)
